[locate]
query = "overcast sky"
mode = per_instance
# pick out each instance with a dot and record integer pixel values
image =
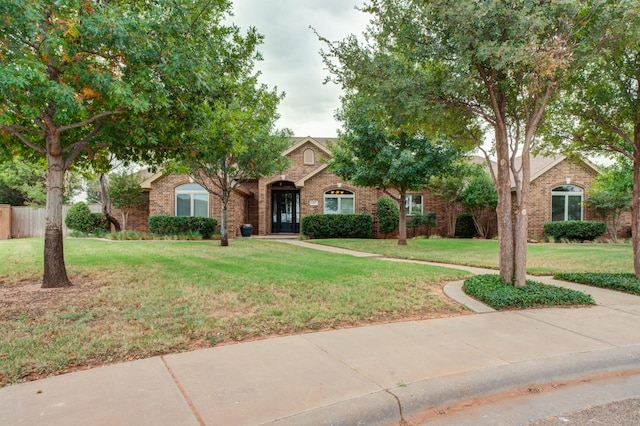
(291, 55)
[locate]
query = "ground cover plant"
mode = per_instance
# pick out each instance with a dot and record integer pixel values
(542, 258)
(627, 283)
(135, 299)
(491, 291)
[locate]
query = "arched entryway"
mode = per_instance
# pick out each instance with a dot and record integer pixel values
(285, 208)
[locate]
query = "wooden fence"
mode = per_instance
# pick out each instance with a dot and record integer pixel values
(29, 222)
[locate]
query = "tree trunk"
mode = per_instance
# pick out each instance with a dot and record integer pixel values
(450, 213)
(55, 271)
(476, 215)
(635, 204)
(104, 197)
(125, 215)
(224, 237)
(504, 210)
(402, 226)
(522, 222)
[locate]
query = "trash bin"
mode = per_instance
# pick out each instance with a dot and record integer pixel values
(246, 230)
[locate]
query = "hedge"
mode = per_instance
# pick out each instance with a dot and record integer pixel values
(337, 225)
(575, 230)
(176, 225)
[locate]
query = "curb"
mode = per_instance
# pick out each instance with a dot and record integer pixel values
(411, 402)
(422, 396)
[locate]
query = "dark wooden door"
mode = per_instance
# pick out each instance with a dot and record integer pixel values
(285, 206)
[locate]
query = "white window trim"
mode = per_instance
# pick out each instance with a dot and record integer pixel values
(340, 197)
(409, 199)
(566, 195)
(191, 193)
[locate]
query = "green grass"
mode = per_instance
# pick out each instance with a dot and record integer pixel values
(135, 299)
(542, 258)
(490, 290)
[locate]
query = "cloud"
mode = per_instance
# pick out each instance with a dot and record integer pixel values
(291, 55)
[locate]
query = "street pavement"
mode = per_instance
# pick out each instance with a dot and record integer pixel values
(434, 371)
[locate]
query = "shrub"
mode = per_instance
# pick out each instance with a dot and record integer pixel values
(465, 227)
(176, 225)
(417, 220)
(573, 230)
(80, 219)
(100, 223)
(337, 225)
(388, 215)
(491, 291)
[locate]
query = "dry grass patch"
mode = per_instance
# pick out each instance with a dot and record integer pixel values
(133, 300)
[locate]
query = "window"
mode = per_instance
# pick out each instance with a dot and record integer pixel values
(566, 203)
(413, 204)
(309, 157)
(338, 201)
(192, 200)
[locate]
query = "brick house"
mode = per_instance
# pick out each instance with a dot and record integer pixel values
(275, 204)
(558, 187)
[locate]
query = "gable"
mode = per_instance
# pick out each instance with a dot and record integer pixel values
(322, 144)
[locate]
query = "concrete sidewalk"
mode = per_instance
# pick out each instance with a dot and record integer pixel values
(379, 374)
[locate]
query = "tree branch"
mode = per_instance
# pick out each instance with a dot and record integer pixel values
(77, 148)
(15, 130)
(90, 120)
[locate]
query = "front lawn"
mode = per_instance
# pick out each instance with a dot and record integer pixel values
(136, 299)
(542, 258)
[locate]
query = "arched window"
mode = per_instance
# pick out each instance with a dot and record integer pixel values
(309, 157)
(339, 201)
(192, 200)
(566, 203)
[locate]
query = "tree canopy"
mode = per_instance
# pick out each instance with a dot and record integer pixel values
(600, 112)
(367, 154)
(499, 61)
(83, 78)
(235, 140)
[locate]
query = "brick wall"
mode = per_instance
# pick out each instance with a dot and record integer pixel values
(162, 202)
(539, 209)
(256, 208)
(137, 219)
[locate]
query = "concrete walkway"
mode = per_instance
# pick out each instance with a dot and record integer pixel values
(380, 374)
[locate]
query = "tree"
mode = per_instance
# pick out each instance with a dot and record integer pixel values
(447, 188)
(236, 140)
(479, 197)
(366, 154)
(601, 112)
(126, 193)
(82, 78)
(501, 61)
(610, 194)
(93, 191)
(22, 183)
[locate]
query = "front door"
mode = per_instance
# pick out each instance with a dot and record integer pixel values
(285, 206)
